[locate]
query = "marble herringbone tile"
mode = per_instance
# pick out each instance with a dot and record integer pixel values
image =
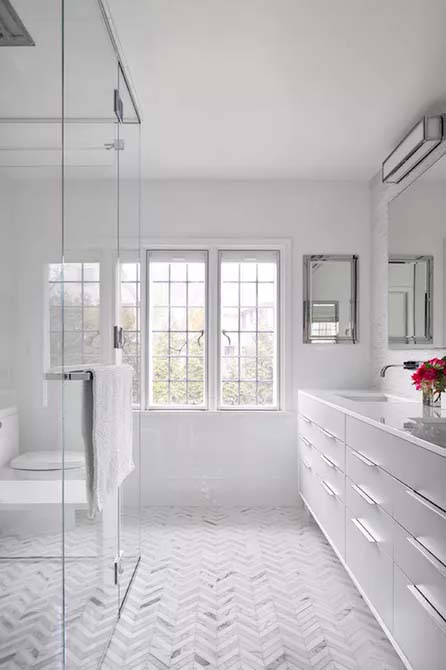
(243, 589)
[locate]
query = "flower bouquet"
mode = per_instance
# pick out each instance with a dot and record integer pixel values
(430, 378)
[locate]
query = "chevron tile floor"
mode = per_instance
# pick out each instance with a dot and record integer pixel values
(243, 589)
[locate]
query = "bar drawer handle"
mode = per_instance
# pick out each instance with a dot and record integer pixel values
(306, 463)
(363, 459)
(305, 418)
(364, 495)
(327, 488)
(426, 605)
(367, 534)
(428, 555)
(328, 462)
(430, 505)
(305, 441)
(328, 434)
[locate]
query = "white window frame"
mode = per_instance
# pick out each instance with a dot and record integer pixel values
(283, 247)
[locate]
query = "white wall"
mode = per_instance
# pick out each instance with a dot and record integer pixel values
(193, 457)
(250, 457)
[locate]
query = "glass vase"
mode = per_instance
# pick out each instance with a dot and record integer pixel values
(431, 398)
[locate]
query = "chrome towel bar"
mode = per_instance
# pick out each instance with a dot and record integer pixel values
(71, 375)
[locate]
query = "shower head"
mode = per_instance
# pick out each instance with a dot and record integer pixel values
(12, 31)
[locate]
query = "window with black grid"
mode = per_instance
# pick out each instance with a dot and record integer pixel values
(74, 305)
(130, 306)
(248, 329)
(177, 328)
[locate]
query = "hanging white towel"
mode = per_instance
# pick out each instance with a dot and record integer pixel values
(109, 452)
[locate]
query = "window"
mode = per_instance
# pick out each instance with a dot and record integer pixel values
(177, 328)
(74, 302)
(248, 325)
(131, 320)
(212, 336)
(325, 320)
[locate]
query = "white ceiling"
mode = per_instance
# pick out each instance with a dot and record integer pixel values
(280, 88)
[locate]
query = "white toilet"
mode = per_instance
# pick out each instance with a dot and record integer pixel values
(31, 483)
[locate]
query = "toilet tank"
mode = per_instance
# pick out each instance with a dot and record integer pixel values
(9, 434)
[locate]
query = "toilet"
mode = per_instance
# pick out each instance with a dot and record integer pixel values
(31, 484)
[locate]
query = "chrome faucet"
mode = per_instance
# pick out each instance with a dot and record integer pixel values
(407, 365)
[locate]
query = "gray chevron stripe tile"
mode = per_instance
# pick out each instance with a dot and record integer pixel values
(216, 589)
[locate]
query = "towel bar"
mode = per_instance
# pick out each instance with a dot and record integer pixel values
(71, 375)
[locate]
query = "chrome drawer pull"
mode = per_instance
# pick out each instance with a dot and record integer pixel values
(306, 463)
(427, 503)
(328, 434)
(428, 555)
(305, 441)
(328, 462)
(364, 495)
(327, 488)
(363, 459)
(367, 534)
(305, 418)
(426, 605)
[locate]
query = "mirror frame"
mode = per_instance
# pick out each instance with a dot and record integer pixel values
(428, 325)
(308, 261)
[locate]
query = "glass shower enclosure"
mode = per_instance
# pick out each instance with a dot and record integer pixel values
(69, 300)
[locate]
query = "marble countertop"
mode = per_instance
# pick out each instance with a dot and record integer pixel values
(408, 419)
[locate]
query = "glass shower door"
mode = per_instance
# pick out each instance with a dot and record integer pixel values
(128, 315)
(90, 247)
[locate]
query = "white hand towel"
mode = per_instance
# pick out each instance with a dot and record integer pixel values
(109, 454)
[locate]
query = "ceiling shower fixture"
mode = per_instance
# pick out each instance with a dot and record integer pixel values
(12, 31)
(413, 148)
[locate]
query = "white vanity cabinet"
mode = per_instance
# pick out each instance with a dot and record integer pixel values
(381, 501)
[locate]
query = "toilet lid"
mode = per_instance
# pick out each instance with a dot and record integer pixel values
(47, 460)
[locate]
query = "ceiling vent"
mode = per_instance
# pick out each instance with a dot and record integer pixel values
(12, 31)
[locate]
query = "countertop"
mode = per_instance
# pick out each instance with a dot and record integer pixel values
(408, 419)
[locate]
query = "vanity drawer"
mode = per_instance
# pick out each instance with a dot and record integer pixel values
(307, 428)
(419, 468)
(305, 449)
(371, 566)
(424, 521)
(422, 567)
(323, 415)
(376, 521)
(370, 478)
(418, 629)
(329, 445)
(330, 511)
(330, 474)
(307, 483)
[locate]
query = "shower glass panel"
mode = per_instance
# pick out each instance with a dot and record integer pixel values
(31, 457)
(69, 236)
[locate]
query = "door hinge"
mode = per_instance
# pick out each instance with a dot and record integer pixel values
(118, 337)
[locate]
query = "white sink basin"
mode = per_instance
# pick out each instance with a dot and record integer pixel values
(371, 397)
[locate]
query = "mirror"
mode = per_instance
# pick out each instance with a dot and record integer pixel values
(417, 239)
(330, 299)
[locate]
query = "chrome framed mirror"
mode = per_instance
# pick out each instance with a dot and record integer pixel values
(410, 306)
(330, 308)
